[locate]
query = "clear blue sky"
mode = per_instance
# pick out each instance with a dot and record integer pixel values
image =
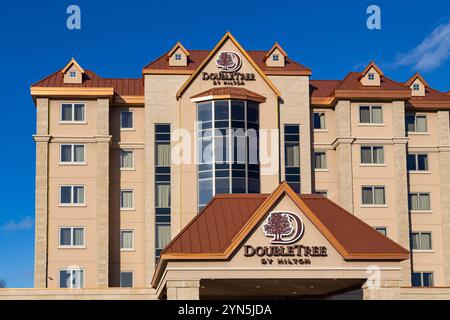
(118, 39)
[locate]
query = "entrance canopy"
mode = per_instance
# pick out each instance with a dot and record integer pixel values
(275, 237)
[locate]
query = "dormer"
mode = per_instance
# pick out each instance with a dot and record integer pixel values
(371, 75)
(73, 72)
(276, 56)
(178, 56)
(417, 85)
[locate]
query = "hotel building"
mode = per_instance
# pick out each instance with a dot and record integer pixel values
(339, 188)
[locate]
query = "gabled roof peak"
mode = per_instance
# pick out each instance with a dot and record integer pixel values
(175, 47)
(414, 77)
(72, 62)
(275, 46)
(370, 66)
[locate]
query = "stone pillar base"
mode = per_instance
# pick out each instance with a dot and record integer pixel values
(183, 289)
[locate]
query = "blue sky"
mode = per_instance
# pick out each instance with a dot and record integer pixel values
(118, 39)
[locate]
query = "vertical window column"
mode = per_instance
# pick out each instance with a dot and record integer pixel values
(162, 187)
(292, 155)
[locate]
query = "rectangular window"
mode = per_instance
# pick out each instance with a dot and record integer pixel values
(162, 187)
(292, 155)
(373, 195)
(71, 237)
(177, 56)
(126, 120)
(319, 120)
(73, 112)
(419, 201)
(382, 230)
(421, 241)
(416, 87)
(71, 278)
(71, 195)
(422, 279)
(322, 192)
(126, 240)
(372, 155)
(126, 279)
(126, 159)
(370, 114)
(416, 123)
(73, 74)
(275, 57)
(417, 162)
(72, 153)
(126, 199)
(320, 160)
(371, 76)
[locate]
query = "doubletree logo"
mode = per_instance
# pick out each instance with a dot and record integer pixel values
(228, 61)
(283, 227)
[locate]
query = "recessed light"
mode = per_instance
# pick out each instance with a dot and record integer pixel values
(257, 287)
(311, 287)
(294, 292)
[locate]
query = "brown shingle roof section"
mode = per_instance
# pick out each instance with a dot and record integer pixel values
(323, 88)
(231, 93)
(351, 82)
(122, 86)
(433, 99)
(196, 57)
(220, 222)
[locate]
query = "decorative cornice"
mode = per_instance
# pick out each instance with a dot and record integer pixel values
(71, 91)
(41, 138)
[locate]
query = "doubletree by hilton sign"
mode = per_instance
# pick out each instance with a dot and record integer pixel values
(229, 64)
(284, 229)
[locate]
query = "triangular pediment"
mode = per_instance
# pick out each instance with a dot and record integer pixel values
(226, 58)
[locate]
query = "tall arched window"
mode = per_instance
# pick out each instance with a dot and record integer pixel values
(228, 148)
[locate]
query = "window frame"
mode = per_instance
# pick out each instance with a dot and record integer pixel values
(275, 57)
(70, 269)
(132, 168)
(132, 278)
(416, 156)
(132, 208)
(72, 204)
(324, 121)
(326, 162)
(419, 194)
(416, 115)
(373, 205)
(420, 233)
(73, 74)
(177, 56)
(71, 246)
(370, 123)
(416, 87)
(379, 228)
(132, 240)
(132, 120)
(72, 161)
(61, 121)
(421, 279)
(371, 76)
(372, 157)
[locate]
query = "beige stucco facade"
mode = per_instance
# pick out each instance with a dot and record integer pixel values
(166, 99)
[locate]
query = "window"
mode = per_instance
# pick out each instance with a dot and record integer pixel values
(126, 159)
(416, 87)
(71, 195)
(71, 237)
(417, 162)
(292, 155)
(73, 74)
(178, 56)
(126, 199)
(275, 57)
(322, 192)
(126, 240)
(416, 123)
(382, 230)
(71, 278)
(372, 155)
(162, 236)
(72, 153)
(72, 112)
(126, 279)
(373, 195)
(419, 201)
(421, 241)
(422, 279)
(320, 160)
(126, 120)
(319, 120)
(371, 76)
(370, 114)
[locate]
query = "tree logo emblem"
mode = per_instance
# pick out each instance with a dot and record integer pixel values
(228, 61)
(283, 227)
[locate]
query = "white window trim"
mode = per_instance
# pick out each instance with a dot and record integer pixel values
(132, 240)
(385, 205)
(71, 196)
(178, 55)
(431, 241)
(132, 119)
(421, 211)
(71, 269)
(132, 168)
(372, 164)
(362, 124)
(132, 199)
(132, 278)
(371, 76)
(326, 161)
(275, 57)
(61, 121)
(415, 119)
(60, 246)
(73, 72)
(72, 163)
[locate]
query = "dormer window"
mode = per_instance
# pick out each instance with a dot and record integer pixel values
(275, 57)
(73, 74)
(416, 87)
(178, 56)
(371, 76)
